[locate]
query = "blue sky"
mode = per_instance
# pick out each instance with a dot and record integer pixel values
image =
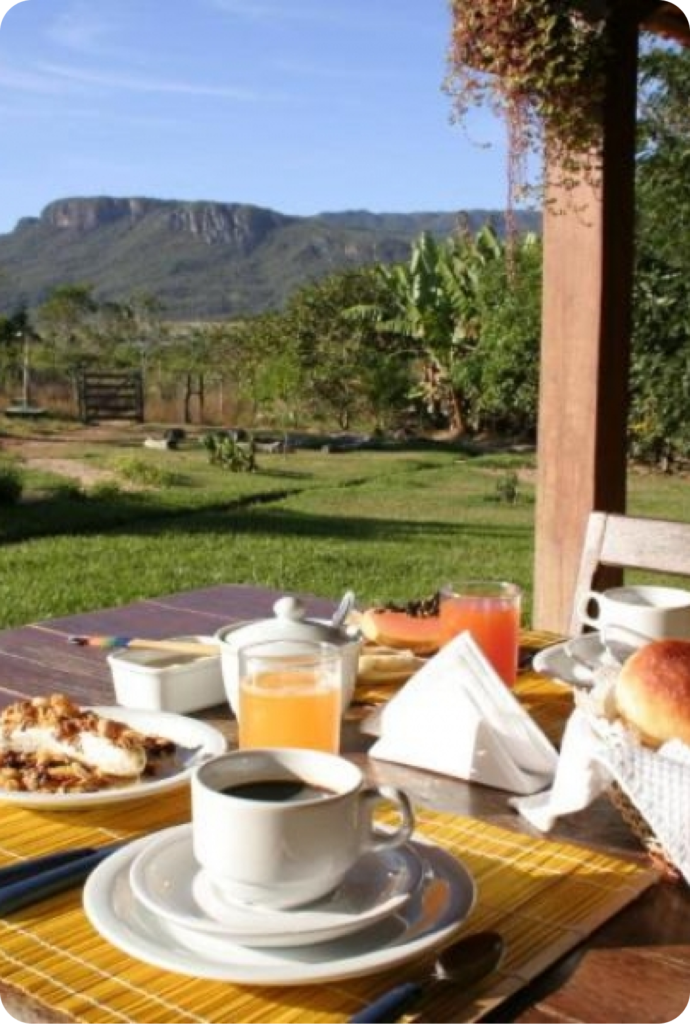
(298, 105)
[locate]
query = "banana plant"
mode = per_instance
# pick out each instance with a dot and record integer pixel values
(434, 300)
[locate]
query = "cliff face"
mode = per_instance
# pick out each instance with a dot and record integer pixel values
(200, 259)
(91, 214)
(241, 226)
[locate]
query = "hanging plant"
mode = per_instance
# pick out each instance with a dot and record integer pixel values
(540, 64)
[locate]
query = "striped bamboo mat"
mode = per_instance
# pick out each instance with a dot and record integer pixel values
(543, 896)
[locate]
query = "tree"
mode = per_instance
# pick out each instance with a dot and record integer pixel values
(79, 330)
(663, 164)
(268, 366)
(660, 367)
(437, 306)
(137, 329)
(499, 376)
(193, 354)
(659, 424)
(13, 331)
(351, 369)
(427, 302)
(67, 323)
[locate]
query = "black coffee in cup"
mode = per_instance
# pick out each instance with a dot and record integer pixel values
(277, 790)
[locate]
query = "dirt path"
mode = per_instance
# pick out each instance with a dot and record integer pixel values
(47, 452)
(86, 475)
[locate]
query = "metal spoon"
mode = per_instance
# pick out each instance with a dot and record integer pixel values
(464, 963)
(346, 605)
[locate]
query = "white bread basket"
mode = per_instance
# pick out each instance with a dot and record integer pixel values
(651, 788)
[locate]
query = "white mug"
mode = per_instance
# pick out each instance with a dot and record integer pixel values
(280, 827)
(644, 613)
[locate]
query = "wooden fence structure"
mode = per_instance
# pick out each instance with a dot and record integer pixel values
(111, 396)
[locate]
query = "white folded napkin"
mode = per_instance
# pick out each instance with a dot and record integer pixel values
(456, 716)
(597, 752)
(580, 778)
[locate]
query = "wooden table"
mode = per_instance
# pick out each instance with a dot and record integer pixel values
(635, 968)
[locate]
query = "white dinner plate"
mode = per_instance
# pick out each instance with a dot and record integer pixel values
(195, 741)
(434, 913)
(166, 878)
(577, 660)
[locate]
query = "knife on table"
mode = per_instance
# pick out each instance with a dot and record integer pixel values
(35, 879)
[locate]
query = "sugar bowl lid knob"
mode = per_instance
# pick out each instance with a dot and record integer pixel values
(289, 609)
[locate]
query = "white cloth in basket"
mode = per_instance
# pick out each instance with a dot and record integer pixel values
(597, 752)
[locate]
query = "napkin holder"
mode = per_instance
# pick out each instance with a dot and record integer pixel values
(455, 716)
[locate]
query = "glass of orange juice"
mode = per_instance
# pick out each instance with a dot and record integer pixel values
(290, 695)
(490, 611)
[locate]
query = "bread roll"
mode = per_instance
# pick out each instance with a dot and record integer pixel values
(387, 664)
(652, 692)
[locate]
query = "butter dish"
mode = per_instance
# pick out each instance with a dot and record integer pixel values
(157, 680)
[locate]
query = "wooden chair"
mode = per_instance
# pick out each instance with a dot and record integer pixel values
(628, 542)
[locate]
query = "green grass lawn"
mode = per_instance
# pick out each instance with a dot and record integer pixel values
(390, 525)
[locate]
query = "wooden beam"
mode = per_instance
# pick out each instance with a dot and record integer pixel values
(667, 20)
(588, 267)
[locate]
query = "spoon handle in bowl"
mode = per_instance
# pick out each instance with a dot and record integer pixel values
(140, 644)
(341, 613)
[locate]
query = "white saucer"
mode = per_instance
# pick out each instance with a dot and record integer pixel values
(427, 920)
(575, 661)
(166, 878)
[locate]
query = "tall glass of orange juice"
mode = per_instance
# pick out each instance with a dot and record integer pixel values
(490, 611)
(290, 695)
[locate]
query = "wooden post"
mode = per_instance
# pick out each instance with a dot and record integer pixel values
(26, 370)
(586, 323)
(194, 388)
(188, 392)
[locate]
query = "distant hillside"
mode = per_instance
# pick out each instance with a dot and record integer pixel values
(203, 259)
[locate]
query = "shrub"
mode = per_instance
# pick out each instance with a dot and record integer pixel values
(228, 453)
(105, 490)
(147, 474)
(68, 490)
(508, 488)
(11, 483)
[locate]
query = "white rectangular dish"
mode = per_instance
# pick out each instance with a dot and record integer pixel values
(158, 680)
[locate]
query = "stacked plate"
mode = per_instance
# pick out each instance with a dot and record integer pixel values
(152, 900)
(578, 660)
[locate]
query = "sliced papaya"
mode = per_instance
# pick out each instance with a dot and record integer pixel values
(414, 627)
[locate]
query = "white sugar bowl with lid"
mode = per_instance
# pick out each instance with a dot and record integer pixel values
(289, 623)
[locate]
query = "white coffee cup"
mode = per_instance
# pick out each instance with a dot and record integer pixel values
(639, 613)
(296, 845)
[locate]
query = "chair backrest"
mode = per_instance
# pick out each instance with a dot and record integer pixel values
(629, 542)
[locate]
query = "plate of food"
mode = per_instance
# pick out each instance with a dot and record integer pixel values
(55, 755)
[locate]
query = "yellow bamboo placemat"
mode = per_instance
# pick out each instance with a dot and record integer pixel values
(543, 896)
